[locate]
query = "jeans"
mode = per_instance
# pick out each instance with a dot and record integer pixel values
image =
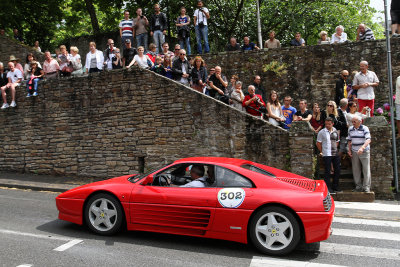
(187, 47)
(159, 39)
(35, 84)
(328, 161)
(141, 40)
(202, 33)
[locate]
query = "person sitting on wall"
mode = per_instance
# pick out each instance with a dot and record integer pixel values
(233, 45)
(297, 41)
(253, 102)
(249, 46)
(50, 66)
(15, 77)
(36, 74)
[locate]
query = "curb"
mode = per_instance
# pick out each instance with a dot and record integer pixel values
(36, 186)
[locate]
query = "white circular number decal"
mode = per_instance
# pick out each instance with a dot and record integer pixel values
(231, 197)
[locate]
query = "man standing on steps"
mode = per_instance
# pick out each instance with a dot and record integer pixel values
(327, 143)
(158, 27)
(359, 139)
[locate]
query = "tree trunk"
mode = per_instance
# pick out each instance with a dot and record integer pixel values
(93, 18)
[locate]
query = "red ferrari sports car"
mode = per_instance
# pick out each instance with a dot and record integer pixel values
(222, 198)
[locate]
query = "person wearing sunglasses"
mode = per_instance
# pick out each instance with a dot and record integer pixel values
(181, 68)
(353, 107)
(109, 54)
(117, 60)
(343, 86)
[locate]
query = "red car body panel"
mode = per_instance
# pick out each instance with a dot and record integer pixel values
(197, 211)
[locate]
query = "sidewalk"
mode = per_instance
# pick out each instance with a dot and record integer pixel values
(42, 182)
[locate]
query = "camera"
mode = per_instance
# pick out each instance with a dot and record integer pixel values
(141, 16)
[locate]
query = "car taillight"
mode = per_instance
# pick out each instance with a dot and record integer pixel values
(327, 202)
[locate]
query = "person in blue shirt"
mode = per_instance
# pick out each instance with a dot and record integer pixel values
(288, 112)
(248, 46)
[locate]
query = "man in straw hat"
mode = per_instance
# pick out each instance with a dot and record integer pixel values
(15, 60)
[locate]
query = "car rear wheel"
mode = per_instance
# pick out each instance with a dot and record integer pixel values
(274, 231)
(103, 214)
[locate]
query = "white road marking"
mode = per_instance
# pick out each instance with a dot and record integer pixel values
(366, 222)
(25, 265)
(361, 251)
(3, 231)
(275, 262)
(68, 245)
(367, 206)
(366, 234)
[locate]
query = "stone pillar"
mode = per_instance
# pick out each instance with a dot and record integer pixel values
(301, 138)
(381, 156)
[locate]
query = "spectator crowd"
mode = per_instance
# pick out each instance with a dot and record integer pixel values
(337, 124)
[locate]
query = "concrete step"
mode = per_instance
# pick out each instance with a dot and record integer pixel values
(349, 196)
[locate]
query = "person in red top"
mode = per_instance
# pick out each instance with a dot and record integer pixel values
(253, 102)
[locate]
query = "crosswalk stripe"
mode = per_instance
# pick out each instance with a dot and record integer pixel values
(366, 234)
(367, 206)
(274, 262)
(366, 222)
(361, 251)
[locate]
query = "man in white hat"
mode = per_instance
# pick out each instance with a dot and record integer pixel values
(14, 78)
(15, 60)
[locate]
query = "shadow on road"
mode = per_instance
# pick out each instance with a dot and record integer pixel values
(175, 242)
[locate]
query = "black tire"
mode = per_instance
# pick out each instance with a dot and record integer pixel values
(103, 214)
(274, 231)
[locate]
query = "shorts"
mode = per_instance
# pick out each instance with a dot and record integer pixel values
(395, 15)
(397, 106)
(343, 144)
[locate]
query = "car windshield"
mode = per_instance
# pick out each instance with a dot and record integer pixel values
(258, 170)
(136, 178)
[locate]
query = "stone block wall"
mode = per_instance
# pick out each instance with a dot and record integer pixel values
(309, 72)
(381, 156)
(107, 124)
(10, 47)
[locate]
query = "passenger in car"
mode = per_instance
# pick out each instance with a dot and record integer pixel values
(197, 176)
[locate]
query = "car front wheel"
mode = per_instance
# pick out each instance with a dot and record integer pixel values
(103, 214)
(274, 231)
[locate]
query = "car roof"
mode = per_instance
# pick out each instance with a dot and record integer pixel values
(214, 160)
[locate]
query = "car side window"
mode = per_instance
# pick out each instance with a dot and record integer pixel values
(228, 178)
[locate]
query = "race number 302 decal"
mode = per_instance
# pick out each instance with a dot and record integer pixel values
(231, 197)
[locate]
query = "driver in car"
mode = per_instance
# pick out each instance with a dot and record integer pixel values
(197, 176)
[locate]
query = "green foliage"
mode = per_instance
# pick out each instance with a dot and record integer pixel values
(275, 67)
(52, 21)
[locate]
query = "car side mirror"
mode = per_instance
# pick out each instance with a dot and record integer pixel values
(148, 180)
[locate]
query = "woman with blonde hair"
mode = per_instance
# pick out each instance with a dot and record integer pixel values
(332, 112)
(142, 60)
(323, 38)
(94, 59)
(199, 74)
(75, 61)
(64, 59)
(274, 109)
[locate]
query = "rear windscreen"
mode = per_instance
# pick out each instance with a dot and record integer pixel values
(257, 169)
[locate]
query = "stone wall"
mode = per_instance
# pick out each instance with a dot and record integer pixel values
(310, 72)
(107, 124)
(10, 46)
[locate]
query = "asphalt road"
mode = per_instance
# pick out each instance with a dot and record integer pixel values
(31, 235)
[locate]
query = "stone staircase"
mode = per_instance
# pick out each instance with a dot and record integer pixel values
(347, 185)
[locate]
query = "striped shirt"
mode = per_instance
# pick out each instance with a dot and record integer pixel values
(127, 27)
(368, 35)
(358, 137)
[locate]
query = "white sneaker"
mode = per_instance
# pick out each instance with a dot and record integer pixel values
(13, 104)
(35, 94)
(4, 106)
